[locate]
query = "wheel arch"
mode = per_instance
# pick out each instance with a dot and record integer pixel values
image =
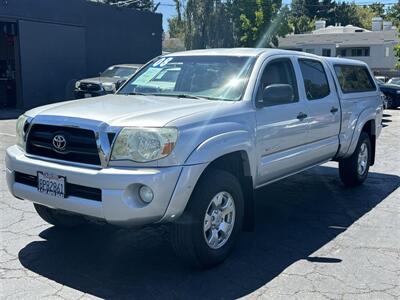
(238, 164)
(370, 129)
(365, 123)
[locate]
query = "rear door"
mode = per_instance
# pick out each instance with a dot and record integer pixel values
(324, 115)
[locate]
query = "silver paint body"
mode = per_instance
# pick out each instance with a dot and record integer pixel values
(276, 144)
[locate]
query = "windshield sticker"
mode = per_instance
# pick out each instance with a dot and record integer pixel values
(158, 62)
(147, 76)
(162, 64)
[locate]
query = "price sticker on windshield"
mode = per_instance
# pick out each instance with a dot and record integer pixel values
(162, 62)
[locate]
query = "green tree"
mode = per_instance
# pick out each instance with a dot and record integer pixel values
(397, 53)
(365, 15)
(207, 24)
(176, 25)
(345, 14)
(257, 23)
(302, 24)
(378, 9)
(393, 14)
(228, 23)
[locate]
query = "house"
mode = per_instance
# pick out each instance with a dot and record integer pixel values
(375, 47)
(46, 45)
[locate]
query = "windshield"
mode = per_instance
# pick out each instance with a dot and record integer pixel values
(394, 81)
(120, 72)
(210, 77)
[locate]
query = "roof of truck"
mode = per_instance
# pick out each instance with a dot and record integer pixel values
(238, 52)
(133, 66)
(344, 61)
(254, 52)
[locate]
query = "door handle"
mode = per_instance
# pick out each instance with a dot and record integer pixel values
(334, 109)
(301, 116)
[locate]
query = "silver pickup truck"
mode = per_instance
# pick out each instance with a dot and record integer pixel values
(188, 138)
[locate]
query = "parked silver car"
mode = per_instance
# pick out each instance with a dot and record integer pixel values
(106, 83)
(190, 136)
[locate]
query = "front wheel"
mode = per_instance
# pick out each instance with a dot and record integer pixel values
(354, 170)
(206, 233)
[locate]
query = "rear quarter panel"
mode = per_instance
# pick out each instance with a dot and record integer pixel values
(357, 109)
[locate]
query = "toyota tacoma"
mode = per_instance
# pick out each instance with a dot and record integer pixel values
(188, 139)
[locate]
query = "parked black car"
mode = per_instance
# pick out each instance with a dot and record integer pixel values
(391, 92)
(107, 82)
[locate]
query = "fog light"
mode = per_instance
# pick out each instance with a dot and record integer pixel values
(146, 194)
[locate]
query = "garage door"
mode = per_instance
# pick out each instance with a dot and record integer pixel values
(52, 58)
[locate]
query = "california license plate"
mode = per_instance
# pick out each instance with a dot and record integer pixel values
(51, 184)
(88, 95)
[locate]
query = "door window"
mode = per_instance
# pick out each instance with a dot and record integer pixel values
(279, 71)
(354, 79)
(315, 80)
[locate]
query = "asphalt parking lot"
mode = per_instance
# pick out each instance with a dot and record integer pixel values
(314, 239)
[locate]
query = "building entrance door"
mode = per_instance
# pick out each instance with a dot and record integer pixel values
(8, 64)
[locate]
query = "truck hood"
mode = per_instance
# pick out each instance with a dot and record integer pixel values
(388, 86)
(132, 110)
(100, 80)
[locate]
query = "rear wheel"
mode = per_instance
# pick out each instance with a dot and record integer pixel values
(390, 103)
(354, 170)
(57, 218)
(206, 233)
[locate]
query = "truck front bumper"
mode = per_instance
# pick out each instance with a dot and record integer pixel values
(119, 202)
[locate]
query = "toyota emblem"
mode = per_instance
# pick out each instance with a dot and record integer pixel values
(59, 142)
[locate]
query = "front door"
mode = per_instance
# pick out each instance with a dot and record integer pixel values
(281, 127)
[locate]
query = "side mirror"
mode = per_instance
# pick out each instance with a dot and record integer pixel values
(276, 94)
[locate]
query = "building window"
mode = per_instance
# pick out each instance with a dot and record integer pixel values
(312, 51)
(387, 50)
(360, 51)
(326, 52)
(341, 52)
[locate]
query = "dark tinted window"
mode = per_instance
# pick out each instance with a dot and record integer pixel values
(354, 79)
(326, 52)
(315, 81)
(279, 71)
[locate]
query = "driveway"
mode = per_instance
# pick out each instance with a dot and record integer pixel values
(314, 239)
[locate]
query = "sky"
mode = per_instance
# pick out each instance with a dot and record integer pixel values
(167, 8)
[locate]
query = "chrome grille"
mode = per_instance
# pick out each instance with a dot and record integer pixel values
(80, 146)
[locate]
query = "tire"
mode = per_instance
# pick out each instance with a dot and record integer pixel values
(390, 104)
(189, 233)
(58, 218)
(354, 170)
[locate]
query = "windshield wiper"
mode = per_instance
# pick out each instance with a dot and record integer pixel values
(184, 96)
(134, 93)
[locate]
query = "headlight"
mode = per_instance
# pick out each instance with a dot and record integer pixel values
(21, 130)
(77, 84)
(398, 92)
(109, 87)
(144, 144)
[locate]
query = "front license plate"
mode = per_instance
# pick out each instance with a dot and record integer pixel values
(88, 95)
(51, 184)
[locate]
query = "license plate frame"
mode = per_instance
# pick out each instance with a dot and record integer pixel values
(51, 184)
(87, 95)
